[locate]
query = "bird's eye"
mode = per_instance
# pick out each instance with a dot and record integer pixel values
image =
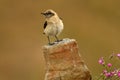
(49, 13)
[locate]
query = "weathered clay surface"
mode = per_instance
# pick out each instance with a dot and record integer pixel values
(64, 62)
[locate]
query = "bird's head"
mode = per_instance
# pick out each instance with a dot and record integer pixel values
(48, 13)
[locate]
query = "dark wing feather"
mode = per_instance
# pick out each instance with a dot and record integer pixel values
(45, 24)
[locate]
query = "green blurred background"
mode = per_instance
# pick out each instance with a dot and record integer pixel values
(95, 24)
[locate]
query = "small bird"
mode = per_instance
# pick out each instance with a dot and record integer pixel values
(53, 25)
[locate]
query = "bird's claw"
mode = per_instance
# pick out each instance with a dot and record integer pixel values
(51, 43)
(58, 40)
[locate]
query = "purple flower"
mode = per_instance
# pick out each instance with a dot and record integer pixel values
(109, 64)
(101, 61)
(118, 55)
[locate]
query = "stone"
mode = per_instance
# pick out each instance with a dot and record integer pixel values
(64, 62)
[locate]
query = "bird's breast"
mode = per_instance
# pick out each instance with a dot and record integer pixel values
(53, 27)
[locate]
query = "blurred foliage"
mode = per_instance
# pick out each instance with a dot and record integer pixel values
(95, 24)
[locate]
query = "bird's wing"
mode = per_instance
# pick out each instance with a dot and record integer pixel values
(45, 24)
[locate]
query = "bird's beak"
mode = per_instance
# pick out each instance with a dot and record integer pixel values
(43, 13)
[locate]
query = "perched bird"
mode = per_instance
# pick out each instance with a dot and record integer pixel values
(53, 25)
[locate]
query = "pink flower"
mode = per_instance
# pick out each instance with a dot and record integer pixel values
(118, 55)
(113, 72)
(118, 73)
(101, 61)
(108, 74)
(104, 71)
(109, 64)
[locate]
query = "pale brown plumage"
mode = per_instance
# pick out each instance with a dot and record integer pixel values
(53, 25)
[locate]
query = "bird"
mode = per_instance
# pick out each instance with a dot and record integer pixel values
(53, 25)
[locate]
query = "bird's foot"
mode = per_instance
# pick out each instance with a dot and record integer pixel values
(51, 43)
(58, 40)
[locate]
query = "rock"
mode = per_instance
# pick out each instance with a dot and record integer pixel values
(64, 62)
